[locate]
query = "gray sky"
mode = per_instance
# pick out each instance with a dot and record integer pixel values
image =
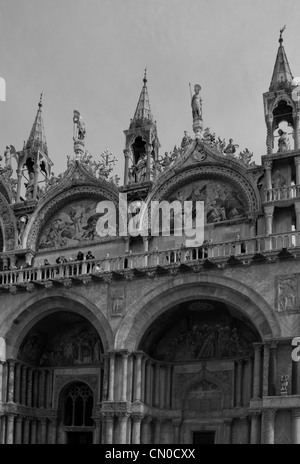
(90, 55)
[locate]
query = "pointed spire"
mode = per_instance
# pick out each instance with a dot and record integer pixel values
(143, 110)
(282, 74)
(37, 137)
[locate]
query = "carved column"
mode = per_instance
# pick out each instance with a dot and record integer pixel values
(156, 387)
(296, 131)
(11, 381)
(17, 397)
(33, 437)
(146, 249)
(268, 178)
(227, 431)
(10, 429)
(269, 426)
(43, 422)
(18, 427)
(111, 377)
(124, 375)
(1, 381)
(269, 210)
(49, 389)
(257, 370)
(35, 388)
(145, 430)
(168, 387)
(266, 369)
(297, 164)
(42, 388)
(269, 123)
(136, 430)
(176, 424)
(297, 211)
(162, 381)
(273, 368)
(255, 427)
(2, 429)
(138, 377)
(97, 433)
(157, 430)
(29, 387)
(126, 168)
(24, 385)
(296, 426)
(149, 383)
(123, 419)
(239, 378)
(109, 418)
(143, 394)
(26, 431)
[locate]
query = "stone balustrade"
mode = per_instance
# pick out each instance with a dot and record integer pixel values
(282, 193)
(162, 258)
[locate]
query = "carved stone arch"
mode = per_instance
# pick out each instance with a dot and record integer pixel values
(63, 382)
(280, 98)
(8, 225)
(234, 177)
(45, 211)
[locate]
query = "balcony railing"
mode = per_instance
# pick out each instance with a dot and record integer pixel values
(73, 269)
(282, 193)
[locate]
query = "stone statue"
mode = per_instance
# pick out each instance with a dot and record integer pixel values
(245, 156)
(231, 148)
(284, 379)
(140, 168)
(21, 225)
(79, 127)
(30, 186)
(7, 156)
(197, 103)
(287, 295)
(283, 141)
(186, 140)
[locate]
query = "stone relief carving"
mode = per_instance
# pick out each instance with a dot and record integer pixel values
(117, 302)
(287, 293)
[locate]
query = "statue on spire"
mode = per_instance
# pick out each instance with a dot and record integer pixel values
(196, 103)
(79, 127)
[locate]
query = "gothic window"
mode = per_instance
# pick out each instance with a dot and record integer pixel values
(78, 406)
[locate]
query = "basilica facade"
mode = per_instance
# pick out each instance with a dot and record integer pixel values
(142, 339)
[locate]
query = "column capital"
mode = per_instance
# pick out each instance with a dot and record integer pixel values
(137, 416)
(228, 420)
(108, 416)
(43, 420)
(297, 160)
(268, 165)
(269, 210)
(125, 353)
(297, 206)
(122, 416)
(257, 346)
(296, 412)
(255, 413)
(269, 413)
(138, 354)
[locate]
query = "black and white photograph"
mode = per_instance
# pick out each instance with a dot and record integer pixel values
(149, 225)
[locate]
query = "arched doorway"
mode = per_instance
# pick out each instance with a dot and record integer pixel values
(201, 358)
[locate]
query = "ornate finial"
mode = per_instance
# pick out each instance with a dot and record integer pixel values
(41, 102)
(281, 31)
(145, 76)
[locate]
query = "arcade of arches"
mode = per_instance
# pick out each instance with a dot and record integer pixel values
(191, 379)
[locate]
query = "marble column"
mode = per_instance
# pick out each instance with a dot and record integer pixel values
(43, 423)
(239, 378)
(269, 426)
(157, 430)
(18, 427)
(127, 158)
(24, 385)
(52, 431)
(145, 430)
(255, 427)
(257, 371)
(11, 381)
(269, 210)
(97, 434)
(273, 368)
(42, 385)
(26, 431)
(297, 164)
(268, 178)
(49, 389)
(297, 210)
(33, 435)
(296, 426)
(149, 383)
(168, 387)
(109, 418)
(10, 429)
(176, 424)
(143, 395)
(162, 381)
(1, 381)
(266, 363)
(138, 377)
(156, 385)
(123, 419)
(227, 431)
(2, 429)
(29, 387)
(35, 388)
(17, 397)
(136, 429)
(124, 376)
(111, 377)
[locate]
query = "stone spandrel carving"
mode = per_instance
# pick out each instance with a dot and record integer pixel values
(117, 302)
(287, 293)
